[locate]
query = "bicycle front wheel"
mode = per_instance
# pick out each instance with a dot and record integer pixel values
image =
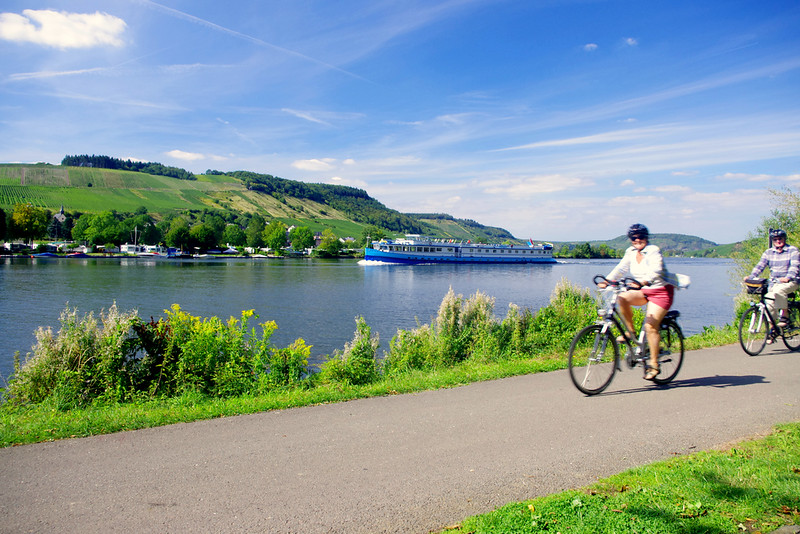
(670, 357)
(791, 333)
(593, 358)
(753, 331)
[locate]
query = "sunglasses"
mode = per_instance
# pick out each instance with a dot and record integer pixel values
(638, 238)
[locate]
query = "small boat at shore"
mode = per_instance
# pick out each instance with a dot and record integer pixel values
(415, 249)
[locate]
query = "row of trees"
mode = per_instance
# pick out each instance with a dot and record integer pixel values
(204, 230)
(147, 167)
(587, 251)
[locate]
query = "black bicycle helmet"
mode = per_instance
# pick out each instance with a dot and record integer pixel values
(639, 230)
(777, 232)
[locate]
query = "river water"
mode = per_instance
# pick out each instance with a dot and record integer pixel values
(317, 300)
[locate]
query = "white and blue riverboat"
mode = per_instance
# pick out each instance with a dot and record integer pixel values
(415, 249)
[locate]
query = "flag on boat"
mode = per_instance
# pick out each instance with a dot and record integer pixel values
(530, 241)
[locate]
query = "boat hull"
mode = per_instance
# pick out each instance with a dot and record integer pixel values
(458, 254)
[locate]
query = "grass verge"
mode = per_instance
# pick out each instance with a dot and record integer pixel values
(752, 487)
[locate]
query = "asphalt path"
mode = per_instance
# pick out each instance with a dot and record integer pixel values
(404, 463)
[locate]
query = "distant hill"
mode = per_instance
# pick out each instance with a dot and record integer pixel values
(670, 244)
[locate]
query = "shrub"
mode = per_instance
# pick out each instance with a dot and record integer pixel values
(121, 357)
(356, 365)
(85, 360)
(414, 349)
(288, 366)
(570, 309)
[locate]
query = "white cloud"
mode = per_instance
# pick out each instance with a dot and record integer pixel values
(187, 156)
(627, 183)
(631, 41)
(683, 173)
(590, 47)
(59, 29)
(672, 189)
(324, 164)
(747, 177)
(635, 201)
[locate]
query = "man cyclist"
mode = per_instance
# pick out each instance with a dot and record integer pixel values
(783, 261)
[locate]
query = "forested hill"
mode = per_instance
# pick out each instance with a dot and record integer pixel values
(100, 183)
(354, 203)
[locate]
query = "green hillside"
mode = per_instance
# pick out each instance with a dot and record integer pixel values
(345, 210)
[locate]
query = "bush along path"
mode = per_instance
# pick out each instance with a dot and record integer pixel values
(117, 372)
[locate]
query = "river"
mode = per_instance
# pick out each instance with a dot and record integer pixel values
(317, 300)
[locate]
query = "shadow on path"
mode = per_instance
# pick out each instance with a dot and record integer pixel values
(716, 381)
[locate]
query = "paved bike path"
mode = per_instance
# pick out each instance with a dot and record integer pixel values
(406, 463)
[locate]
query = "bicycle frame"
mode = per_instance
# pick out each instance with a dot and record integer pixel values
(610, 316)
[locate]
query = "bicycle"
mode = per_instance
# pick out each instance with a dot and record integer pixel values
(756, 325)
(594, 352)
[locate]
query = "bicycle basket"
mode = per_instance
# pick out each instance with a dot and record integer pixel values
(756, 286)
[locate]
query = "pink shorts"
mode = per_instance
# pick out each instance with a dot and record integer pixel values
(660, 296)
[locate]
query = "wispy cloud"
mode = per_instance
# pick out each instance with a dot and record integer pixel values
(60, 29)
(239, 35)
(52, 74)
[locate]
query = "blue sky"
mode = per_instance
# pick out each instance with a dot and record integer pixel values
(558, 120)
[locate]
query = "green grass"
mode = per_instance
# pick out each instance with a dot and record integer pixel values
(753, 487)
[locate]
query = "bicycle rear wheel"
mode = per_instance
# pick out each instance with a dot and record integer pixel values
(753, 331)
(593, 358)
(670, 356)
(791, 333)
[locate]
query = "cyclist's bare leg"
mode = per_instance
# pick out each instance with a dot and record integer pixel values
(652, 326)
(626, 301)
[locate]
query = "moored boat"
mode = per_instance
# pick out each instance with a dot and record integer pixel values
(415, 249)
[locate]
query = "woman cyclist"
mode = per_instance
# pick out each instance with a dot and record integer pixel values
(644, 263)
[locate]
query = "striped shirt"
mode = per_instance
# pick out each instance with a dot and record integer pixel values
(783, 264)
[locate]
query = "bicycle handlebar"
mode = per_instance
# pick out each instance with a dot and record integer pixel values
(626, 282)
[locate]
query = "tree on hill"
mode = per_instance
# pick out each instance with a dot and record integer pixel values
(178, 234)
(275, 235)
(330, 244)
(29, 222)
(255, 232)
(301, 238)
